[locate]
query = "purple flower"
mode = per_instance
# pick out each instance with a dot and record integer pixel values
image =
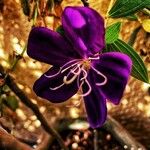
(78, 63)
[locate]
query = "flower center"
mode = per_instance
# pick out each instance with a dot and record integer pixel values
(78, 70)
(86, 64)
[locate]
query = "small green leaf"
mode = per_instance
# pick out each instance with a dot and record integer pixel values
(132, 17)
(112, 32)
(6, 88)
(12, 102)
(60, 30)
(124, 8)
(139, 70)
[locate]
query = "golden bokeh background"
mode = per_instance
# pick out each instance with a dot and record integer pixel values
(134, 110)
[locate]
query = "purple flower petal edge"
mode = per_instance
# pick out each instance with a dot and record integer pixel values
(50, 47)
(116, 67)
(84, 28)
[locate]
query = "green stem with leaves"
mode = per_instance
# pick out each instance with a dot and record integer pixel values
(16, 60)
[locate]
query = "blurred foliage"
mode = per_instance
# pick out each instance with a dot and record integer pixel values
(123, 8)
(12, 102)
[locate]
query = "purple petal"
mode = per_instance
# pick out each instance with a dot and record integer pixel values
(48, 46)
(116, 67)
(84, 27)
(95, 104)
(43, 84)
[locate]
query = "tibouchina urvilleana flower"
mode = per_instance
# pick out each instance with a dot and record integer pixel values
(79, 64)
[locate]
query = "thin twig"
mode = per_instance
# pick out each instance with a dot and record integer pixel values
(13, 86)
(7, 141)
(15, 62)
(95, 139)
(121, 134)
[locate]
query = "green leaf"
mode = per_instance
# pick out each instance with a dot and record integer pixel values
(12, 102)
(6, 88)
(60, 30)
(112, 32)
(124, 8)
(139, 70)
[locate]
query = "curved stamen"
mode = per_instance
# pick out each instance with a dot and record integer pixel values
(74, 73)
(74, 69)
(57, 87)
(101, 74)
(51, 76)
(75, 60)
(78, 81)
(94, 58)
(85, 74)
(65, 69)
(61, 71)
(66, 81)
(89, 90)
(70, 62)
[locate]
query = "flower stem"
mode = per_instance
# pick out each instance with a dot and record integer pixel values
(95, 139)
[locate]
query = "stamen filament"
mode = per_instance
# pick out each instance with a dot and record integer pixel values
(74, 73)
(57, 87)
(75, 60)
(61, 71)
(85, 74)
(89, 90)
(94, 58)
(74, 69)
(69, 81)
(101, 74)
(78, 81)
(69, 67)
(54, 75)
